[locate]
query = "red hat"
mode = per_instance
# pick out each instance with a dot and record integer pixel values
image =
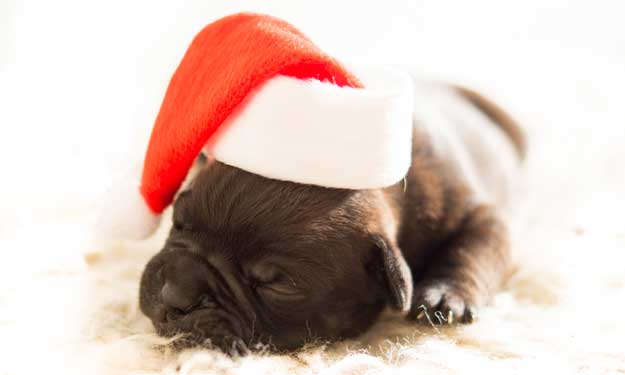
(253, 92)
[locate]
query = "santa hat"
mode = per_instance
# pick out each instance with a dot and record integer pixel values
(253, 92)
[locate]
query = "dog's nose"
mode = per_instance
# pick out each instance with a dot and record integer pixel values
(184, 285)
(180, 299)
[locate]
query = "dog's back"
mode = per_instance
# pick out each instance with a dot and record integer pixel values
(478, 140)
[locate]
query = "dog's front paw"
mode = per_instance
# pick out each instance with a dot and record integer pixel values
(441, 303)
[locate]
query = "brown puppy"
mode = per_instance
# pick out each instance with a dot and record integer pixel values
(251, 259)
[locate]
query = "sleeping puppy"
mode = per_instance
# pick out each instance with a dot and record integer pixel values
(255, 260)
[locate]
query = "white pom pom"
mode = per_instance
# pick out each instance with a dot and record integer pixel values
(125, 214)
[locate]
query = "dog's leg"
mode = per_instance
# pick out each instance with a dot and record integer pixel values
(463, 274)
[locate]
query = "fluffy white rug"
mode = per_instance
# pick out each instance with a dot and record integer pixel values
(68, 305)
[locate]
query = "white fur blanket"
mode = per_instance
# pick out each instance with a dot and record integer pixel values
(81, 97)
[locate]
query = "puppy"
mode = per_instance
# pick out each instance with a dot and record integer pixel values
(255, 260)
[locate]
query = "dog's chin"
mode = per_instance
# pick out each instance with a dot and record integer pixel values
(207, 328)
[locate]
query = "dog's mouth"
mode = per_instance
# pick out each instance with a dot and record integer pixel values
(230, 345)
(207, 328)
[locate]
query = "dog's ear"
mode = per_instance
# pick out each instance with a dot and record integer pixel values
(391, 271)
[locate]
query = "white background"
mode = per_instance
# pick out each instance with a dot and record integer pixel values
(81, 81)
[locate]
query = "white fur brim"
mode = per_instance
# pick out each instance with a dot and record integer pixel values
(317, 133)
(126, 214)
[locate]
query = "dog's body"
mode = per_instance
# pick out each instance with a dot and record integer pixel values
(253, 259)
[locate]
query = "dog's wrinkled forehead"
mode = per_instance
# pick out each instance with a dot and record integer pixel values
(228, 201)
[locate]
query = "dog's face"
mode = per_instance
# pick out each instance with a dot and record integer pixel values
(253, 260)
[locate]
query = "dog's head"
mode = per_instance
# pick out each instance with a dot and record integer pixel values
(250, 260)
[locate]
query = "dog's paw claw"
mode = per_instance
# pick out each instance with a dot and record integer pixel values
(441, 304)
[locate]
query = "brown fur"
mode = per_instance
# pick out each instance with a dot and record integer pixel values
(499, 117)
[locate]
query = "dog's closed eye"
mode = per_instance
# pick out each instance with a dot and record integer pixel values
(271, 281)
